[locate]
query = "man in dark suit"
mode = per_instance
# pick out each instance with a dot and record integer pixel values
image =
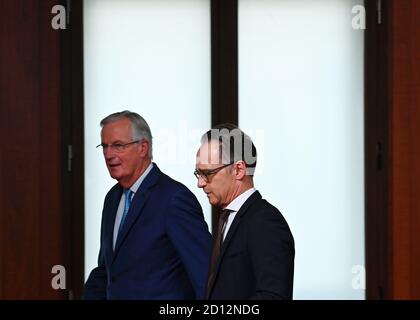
(155, 243)
(253, 248)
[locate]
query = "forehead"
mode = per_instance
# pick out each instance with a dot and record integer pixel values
(209, 153)
(117, 130)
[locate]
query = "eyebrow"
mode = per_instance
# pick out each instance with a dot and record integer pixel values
(114, 142)
(204, 170)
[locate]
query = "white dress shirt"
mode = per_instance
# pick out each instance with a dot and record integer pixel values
(234, 206)
(120, 210)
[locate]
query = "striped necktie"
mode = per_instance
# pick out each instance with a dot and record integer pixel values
(127, 202)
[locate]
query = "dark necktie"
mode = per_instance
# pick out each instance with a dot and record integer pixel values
(217, 243)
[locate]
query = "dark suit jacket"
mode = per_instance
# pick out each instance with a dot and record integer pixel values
(163, 249)
(257, 256)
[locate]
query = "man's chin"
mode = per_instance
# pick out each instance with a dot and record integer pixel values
(114, 175)
(213, 202)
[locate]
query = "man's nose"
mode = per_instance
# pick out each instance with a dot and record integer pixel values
(108, 153)
(201, 183)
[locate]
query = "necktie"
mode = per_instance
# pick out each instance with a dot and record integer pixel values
(127, 194)
(217, 243)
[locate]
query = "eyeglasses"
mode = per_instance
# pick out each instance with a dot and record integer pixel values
(205, 174)
(117, 147)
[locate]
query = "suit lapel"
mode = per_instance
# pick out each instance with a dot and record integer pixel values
(139, 201)
(235, 223)
(233, 228)
(110, 214)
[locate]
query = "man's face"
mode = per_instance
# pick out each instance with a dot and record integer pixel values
(126, 165)
(220, 185)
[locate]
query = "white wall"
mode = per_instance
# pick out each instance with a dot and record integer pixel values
(301, 99)
(151, 57)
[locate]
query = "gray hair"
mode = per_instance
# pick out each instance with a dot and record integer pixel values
(234, 145)
(141, 130)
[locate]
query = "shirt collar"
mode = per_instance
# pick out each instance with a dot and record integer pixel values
(237, 203)
(138, 182)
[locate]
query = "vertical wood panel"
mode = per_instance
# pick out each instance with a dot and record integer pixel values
(224, 67)
(224, 61)
(52, 226)
(377, 165)
(405, 152)
(30, 210)
(73, 134)
(415, 150)
(20, 180)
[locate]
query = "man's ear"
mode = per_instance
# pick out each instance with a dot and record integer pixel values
(240, 170)
(144, 148)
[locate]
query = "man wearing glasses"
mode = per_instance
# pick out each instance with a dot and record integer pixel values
(253, 248)
(155, 242)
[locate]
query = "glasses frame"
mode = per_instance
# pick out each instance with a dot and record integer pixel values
(206, 175)
(117, 147)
